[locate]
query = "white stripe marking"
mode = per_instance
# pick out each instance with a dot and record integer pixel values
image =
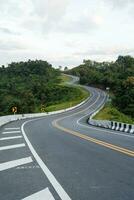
(59, 189)
(16, 128)
(6, 132)
(42, 195)
(15, 163)
(11, 138)
(12, 146)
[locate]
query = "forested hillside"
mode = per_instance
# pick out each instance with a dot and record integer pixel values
(31, 87)
(118, 76)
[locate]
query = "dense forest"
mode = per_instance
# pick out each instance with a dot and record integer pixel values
(118, 76)
(31, 87)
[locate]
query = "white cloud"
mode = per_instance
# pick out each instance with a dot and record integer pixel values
(112, 50)
(55, 29)
(50, 8)
(119, 3)
(46, 14)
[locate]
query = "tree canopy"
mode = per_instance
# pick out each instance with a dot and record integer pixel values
(118, 76)
(30, 86)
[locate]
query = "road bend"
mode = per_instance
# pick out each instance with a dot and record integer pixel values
(61, 157)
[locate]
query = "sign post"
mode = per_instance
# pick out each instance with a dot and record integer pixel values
(14, 110)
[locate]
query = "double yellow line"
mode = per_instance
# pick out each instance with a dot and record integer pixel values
(96, 141)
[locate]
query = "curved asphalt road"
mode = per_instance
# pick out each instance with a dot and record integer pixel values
(65, 158)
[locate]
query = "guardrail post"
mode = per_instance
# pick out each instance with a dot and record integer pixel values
(119, 126)
(115, 125)
(111, 125)
(132, 129)
(122, 127)
(127, 128)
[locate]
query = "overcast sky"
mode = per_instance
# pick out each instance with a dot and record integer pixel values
(64, 32)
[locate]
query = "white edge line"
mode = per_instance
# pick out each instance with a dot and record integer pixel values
(84, 109)
(100, 129)
(41, 195)
(12, 146)
(15, 163)
(17, 128)
(6, 132)
(83, 105)
(91, 106)
(95, 128)
(59, 189)
(10, 138)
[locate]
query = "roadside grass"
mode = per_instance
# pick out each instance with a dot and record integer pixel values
(111, 113)
(64, 79)
(82, 95)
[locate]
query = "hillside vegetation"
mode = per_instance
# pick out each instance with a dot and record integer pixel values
(118, 76)
(35, 86)
(78, 95)
(65, 79)
(111, 113)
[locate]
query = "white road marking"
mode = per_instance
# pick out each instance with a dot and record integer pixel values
(59, 189)
(42, 195)
(101, 129)
(15, 163)
(86, 109)
(15, 128)
(11, 138)
(12, 146)
(6, 132)
(29, 167)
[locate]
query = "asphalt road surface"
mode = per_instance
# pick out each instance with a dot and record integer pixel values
(62, 157)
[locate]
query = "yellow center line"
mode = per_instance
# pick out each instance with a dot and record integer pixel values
(85, 137)
(96, 141)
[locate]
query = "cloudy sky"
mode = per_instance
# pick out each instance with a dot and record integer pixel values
(64, 32)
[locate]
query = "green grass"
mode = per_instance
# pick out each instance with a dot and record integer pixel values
(111, 113)
(64, 79)
(83, 95)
